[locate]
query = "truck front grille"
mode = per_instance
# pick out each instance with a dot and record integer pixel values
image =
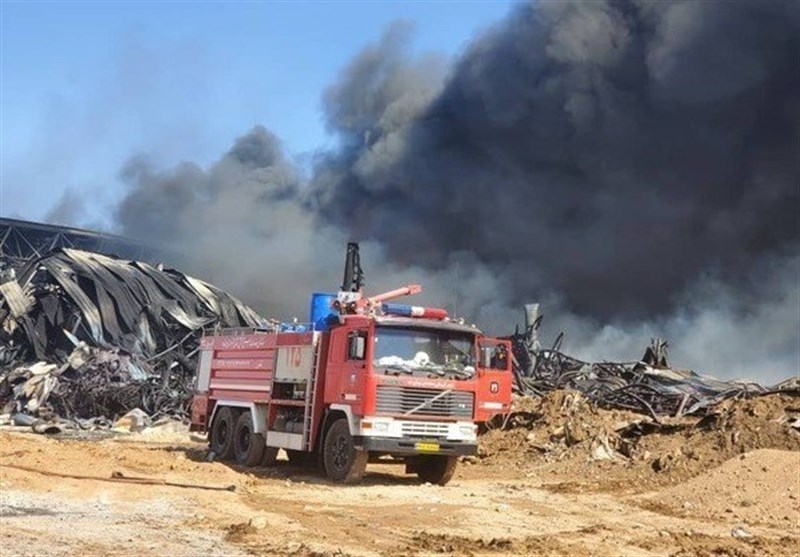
(424, 429)
(413, 401)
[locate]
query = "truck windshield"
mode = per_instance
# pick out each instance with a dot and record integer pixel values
(428, 352)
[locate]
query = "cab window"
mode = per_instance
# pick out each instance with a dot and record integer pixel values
(357, 345)
(495, 355)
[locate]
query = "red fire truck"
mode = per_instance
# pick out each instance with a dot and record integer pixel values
(367, 379)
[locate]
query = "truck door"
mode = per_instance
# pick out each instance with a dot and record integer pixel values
(347, 368)
(494, 379)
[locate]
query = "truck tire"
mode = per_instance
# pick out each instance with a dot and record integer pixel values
(221, 435)
(343, 461)
(248, 446)
(436, 469)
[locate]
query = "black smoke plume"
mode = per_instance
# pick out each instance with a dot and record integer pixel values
(633, 165)
(610, 152)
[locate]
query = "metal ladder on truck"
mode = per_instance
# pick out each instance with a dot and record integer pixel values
(311, 395)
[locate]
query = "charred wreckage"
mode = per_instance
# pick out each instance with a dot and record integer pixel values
(648, 385)
(85, 338)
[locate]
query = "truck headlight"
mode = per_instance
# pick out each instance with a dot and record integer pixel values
(381, 427)
(466, 430)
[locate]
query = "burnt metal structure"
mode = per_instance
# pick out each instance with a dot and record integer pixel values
(22, 241)
(648, 385)
(83, 335)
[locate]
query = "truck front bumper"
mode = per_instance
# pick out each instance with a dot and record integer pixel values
(416, 446)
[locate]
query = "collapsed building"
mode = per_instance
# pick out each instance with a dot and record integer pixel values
(86, 336)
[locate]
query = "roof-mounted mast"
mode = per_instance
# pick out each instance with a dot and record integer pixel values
(351, 298)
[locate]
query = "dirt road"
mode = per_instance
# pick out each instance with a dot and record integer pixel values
(58, 497)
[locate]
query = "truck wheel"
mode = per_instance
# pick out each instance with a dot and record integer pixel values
(221, 438)
(248, 446)
(343, 462)
(436, 469)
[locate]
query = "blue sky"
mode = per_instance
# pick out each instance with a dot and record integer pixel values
(87, 85)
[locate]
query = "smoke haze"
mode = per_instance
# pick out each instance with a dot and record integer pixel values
(617, 148)
(631, 165)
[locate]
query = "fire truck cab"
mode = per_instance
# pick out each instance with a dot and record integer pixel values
(365, 380)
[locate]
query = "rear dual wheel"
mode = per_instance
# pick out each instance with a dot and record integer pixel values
(248, 446)
(222, 433)
(232, 437)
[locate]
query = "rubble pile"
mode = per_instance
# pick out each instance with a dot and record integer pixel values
(649, 385)
(86, 336)
(561, 424)
(564, 428)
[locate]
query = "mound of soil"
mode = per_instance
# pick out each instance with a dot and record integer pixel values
(619, 449)
(755, 487)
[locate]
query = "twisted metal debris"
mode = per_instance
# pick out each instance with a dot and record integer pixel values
(86, 336)
(649, 385)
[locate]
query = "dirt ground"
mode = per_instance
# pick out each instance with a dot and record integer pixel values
(729, 486)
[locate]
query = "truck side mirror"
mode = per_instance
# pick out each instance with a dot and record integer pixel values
(357, 347)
